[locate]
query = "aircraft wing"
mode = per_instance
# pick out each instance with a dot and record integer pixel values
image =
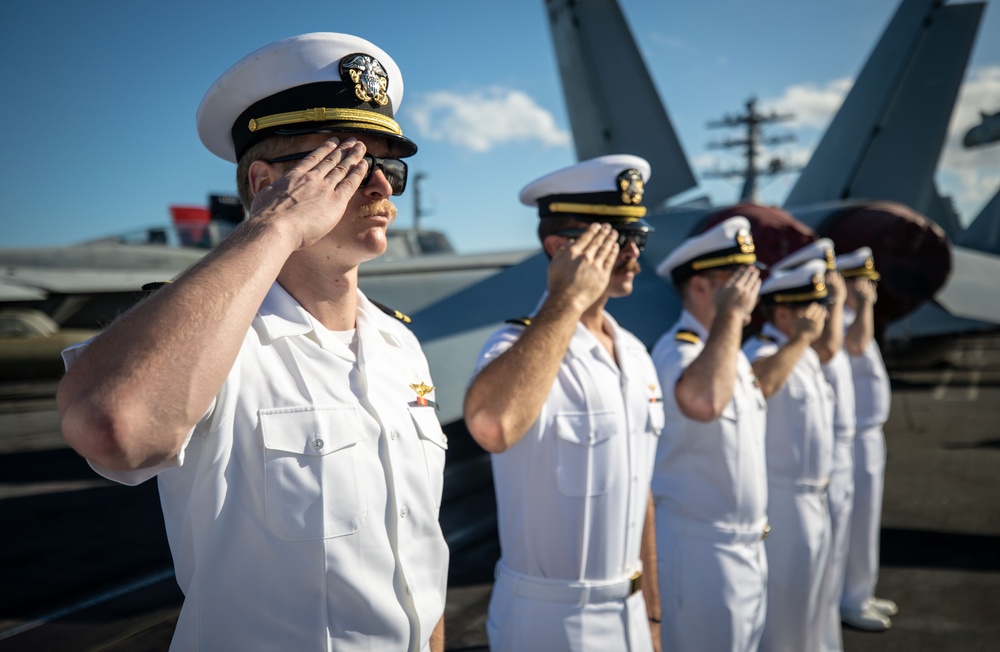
(612, 103)
(970, 291)
(18, 292)
(41, 281)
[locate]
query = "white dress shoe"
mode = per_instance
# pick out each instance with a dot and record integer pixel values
(884, 606)
(868, 619)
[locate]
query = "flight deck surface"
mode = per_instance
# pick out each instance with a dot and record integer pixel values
(84, 563)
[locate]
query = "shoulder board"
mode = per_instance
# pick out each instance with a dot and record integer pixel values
(153, 286)
(687, 336)
(767, 338)
(392, 313)
(520, 321)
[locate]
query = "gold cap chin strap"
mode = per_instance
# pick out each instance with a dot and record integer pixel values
(630, 213)
(731, 259)
(798, 298)
(352, 118)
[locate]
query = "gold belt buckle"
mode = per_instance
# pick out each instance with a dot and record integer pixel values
(767, 531)
(635, 582)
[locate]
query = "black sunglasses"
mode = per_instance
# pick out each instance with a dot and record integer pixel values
(393, 169)
(638, 237)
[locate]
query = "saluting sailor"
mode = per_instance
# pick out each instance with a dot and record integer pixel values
(799, 453)
(840, 495)
(710, 483)
(289, 420)
(859, 607)
(568, 403)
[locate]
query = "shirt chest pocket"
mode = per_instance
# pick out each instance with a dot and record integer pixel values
(587, 457)
(656, 417)
(312, 466)
(435, 445)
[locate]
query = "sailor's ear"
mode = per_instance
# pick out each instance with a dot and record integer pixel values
(552, 243)
(260, 175)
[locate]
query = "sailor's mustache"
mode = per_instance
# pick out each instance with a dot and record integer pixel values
(630, 265)
(378, 207)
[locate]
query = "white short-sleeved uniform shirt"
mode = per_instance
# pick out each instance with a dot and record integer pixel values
(873, 393)
(302, 513)
(799, 415)
(572, 494)
(838, 373)
(712, 473)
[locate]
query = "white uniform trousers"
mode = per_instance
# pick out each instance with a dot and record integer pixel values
(866, 519)
(797, 551)
(840, 498)
(713, 586)
(528, 613)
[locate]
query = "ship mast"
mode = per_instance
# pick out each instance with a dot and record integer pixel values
(752, 121)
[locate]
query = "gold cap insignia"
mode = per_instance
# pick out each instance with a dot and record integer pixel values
(745, 241)
(831, 260)
(369, 77)
(631, 185)
(818, 283)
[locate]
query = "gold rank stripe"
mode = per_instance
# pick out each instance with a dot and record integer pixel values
(861, 272)
(632, 212)
(351, 117)
(732, 259)
(687, 337)
(804, 296)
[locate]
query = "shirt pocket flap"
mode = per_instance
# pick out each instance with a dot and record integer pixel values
(798, 391)
(657, 419)
(311, 431)
(428, 426)
(585, 428)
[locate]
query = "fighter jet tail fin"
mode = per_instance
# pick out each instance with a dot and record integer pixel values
(886, 139)
(612, 103)
(984, 232)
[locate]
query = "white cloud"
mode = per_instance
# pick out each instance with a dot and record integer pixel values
(485, 119)
(812, 105)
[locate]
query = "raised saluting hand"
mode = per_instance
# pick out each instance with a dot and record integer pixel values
(314, 194)
(581, 268)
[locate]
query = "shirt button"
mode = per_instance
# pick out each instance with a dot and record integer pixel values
(404, 511)
(392, 434)
(318, 443)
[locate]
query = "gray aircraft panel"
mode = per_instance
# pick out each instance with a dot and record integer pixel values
(610, 97)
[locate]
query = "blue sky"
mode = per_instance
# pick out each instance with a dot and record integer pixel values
(99, 100)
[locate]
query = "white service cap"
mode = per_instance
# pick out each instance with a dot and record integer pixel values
(312, 83)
